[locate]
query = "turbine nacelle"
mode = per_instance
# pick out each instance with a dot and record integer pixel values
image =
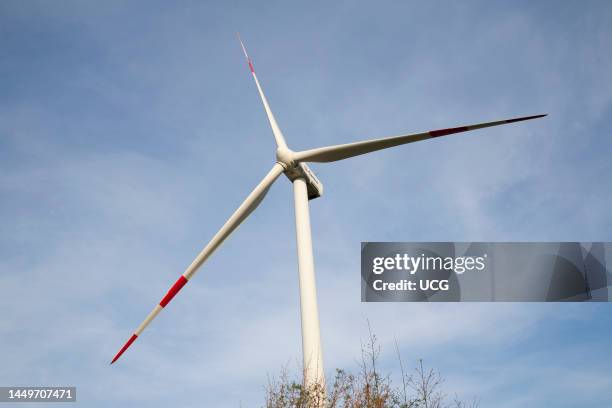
(294, 170)
(313, 185)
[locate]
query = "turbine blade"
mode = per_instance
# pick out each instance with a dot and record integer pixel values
(278, 135)
(344, 151)
(245, 209)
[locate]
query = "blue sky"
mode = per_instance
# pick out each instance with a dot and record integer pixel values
(129, 132)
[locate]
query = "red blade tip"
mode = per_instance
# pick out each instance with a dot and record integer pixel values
(526, 118)
(125, 347)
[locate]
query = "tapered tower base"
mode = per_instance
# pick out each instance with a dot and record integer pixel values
(311, 338)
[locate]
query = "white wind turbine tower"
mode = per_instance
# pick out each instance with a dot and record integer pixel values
(305, 187)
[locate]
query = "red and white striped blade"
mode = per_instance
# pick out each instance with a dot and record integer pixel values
(278, 135)
(340, 152)
(178, 285)
(244, 210)
(450, 131)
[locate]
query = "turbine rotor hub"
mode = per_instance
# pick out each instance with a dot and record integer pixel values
(284, 156)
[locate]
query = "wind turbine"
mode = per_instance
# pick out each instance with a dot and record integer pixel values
(306, 187)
